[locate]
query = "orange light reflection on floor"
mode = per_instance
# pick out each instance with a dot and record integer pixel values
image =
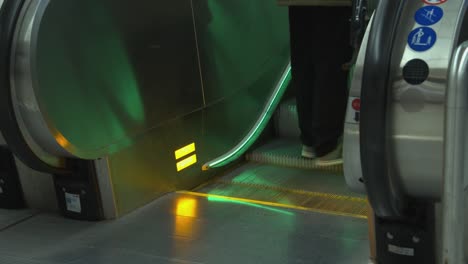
(185, 218)
(186, 207)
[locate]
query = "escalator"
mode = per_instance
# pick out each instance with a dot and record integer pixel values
(274, 173)
(105, 138)
(173, 120)
(403, 126)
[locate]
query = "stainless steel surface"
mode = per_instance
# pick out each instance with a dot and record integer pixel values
(38, 188)
(101, 81)
(351, 142)
(188, 229)
(106, 188)
(456, 158)
(243, 47)
(417, 111)
(126, 82)
(30, 119)
(122, 66)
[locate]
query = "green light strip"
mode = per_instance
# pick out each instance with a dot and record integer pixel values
(259, 126)
(217, 199)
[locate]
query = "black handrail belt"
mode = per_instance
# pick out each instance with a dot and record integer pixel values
(383, 190)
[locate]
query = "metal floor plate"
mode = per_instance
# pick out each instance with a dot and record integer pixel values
(189, 229)
(311, 190)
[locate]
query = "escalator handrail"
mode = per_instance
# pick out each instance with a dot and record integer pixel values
(9, 15)
(455, 153)
(248, 140)
(384, 191)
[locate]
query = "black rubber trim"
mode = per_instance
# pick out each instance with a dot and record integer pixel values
(383, 189)
(9, 14)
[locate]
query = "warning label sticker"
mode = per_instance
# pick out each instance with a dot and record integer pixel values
(434, 2)
(354, 110)
(401, 250)
(422, 38)
(73, 202)
(429, 15)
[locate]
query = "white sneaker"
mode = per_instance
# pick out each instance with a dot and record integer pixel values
(334, 157)
(308, 152)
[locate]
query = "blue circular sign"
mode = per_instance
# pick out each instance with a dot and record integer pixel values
(429, 15)
(422, 38)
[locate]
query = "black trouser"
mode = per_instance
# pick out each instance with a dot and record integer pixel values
(319, 48)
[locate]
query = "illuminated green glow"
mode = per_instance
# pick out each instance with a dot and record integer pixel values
(224, 200)
(87, 84)
(251, 177)
(259, 126)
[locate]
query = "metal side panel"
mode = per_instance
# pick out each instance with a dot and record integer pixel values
(128, 69)
(456, 157)
(38, 188)
(351, 142)
(243, 49)
(416, 111)
(106, 188)
(101, 81)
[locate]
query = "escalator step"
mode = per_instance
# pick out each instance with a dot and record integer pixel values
(286, 153)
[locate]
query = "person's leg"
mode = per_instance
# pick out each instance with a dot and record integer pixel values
(302, 63)
(319, 48)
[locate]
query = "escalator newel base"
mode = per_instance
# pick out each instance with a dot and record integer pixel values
(410, 241)
(78, 194)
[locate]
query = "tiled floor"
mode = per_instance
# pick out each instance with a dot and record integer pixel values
(11, 217)
(182, 228)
